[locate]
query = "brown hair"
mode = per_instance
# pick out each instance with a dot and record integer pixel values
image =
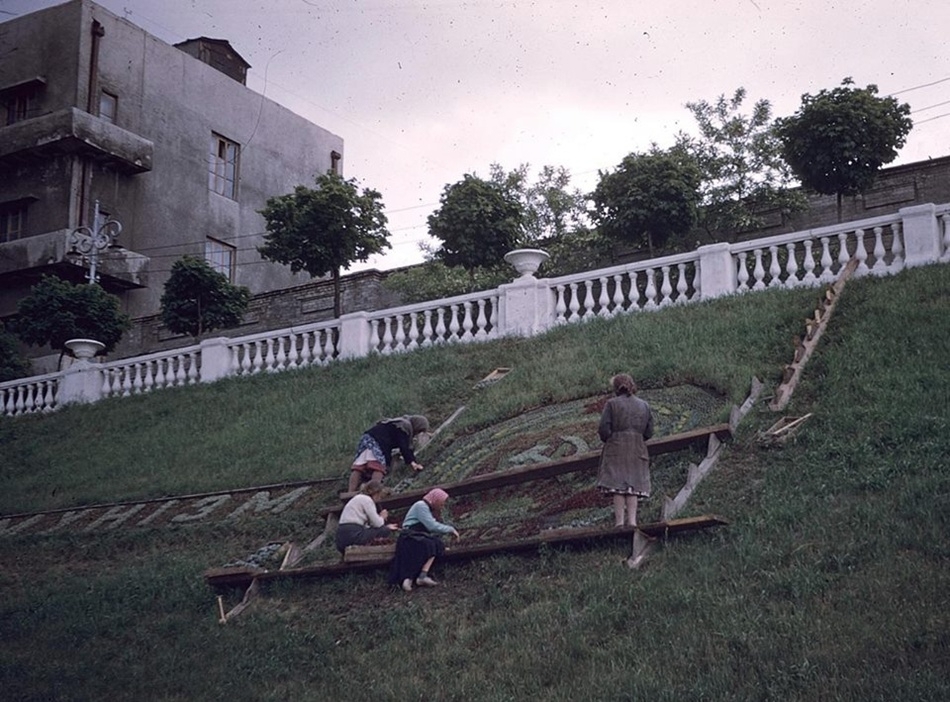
(373, 488)
(623, 384)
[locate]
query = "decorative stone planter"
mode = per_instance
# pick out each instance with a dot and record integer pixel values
(527, 261)
(84, 349)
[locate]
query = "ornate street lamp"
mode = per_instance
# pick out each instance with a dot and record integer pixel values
(87, 242)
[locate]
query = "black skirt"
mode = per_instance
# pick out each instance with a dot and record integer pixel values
(413, 549)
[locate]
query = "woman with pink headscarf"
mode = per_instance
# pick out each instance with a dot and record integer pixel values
(420, 542)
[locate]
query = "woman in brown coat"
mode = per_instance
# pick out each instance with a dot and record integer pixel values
(625, 425)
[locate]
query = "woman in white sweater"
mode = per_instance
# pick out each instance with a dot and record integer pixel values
(360, 523)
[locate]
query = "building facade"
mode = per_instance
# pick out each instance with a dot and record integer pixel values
(98, 115)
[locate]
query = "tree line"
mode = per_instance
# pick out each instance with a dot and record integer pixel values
(721, 181)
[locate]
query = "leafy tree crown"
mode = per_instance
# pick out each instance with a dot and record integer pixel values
(198, 298)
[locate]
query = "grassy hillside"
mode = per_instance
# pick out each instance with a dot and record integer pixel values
(830, 582)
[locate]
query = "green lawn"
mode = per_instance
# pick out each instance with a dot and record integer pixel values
(831, 581)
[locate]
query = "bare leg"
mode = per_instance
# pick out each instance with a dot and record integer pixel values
(631, 501)
(428, 564)
(378, 475)
(619, 506)
(355, 477)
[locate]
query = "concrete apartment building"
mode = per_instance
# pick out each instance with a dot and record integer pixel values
(167, 140)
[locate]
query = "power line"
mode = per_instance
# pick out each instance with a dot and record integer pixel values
(917, 87)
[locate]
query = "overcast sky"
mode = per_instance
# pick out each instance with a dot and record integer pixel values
(425, 91)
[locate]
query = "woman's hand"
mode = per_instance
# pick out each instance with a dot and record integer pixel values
(384, 513)
(455, 534)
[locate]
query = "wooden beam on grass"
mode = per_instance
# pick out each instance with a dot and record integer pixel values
(380, 556)
(522, 474)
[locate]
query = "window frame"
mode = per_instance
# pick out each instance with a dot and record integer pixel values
(215, 248)
(223, 170)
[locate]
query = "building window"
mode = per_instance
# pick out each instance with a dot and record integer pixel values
(12, 221)
(223, 166)
(335, 158)
(19, 105)
(108, 106)
(220, 257)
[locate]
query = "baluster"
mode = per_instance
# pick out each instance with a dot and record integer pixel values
(843, 255)
(413, 331)
(618, 295)
(440, 325)
(808, 264)
(137, 373)
(480, 324)
(258, 360)
(743, 273)
(878, 268)
(791, 266)
(330, 337)
(127, 380)
(280, 359)
(295, 356)
(374, 335)
(427, 328)
(29, 402)
(148, 378)
(759, 271)
(775, 268)
(193, 376)
(560, 306)
(161, 367)
(234, 353)
(400, 337)
(681, 285)
(666, 287)
(270, 358)
(650, 291)
(575, 303)
(20, 399)
(49, 399)
(604, 301)
(387, 336)
(860, 253)
(467, 321)
(454, 323)
(897, 248)
(826, 272)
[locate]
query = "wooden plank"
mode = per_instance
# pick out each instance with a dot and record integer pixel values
(232, 577)
(522, 474)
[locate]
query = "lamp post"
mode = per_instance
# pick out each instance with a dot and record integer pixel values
(88, 242)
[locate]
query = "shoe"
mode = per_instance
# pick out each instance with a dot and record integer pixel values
(407, 585)
(426, 581)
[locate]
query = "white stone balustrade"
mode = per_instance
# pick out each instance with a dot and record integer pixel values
(527, 306)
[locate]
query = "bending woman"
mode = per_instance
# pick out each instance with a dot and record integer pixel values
(374, 454)
(420, 542)
(360, 523)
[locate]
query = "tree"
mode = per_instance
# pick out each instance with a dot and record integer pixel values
(649, 198)
(839, 139)
(324, 230)
(12, 364)
(740, 158)
(198, 298)
(555, 217)
(56, 311)
(478, 222)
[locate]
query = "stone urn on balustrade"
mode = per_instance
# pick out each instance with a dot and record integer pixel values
(527, 261)
(83, 350)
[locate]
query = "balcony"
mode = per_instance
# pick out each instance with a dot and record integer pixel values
(26, 259)
(73, 131)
